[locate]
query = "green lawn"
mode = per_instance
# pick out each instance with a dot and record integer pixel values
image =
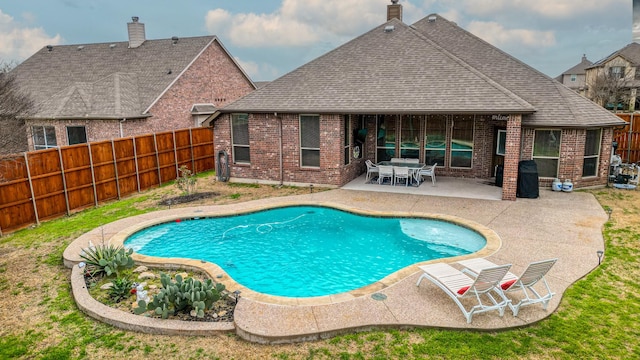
(598, 317)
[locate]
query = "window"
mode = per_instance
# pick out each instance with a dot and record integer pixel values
(310, 140)
(410, 137)
(240, 138)
(501, 143)
(616, 72)
(591, 152)
(44, 137)
(546, 152)
(462, 142)
(574, 77)
(347, 139)
(386, 138)
(76, 135)
(435, 140)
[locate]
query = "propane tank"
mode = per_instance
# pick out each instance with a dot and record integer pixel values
(567, 186)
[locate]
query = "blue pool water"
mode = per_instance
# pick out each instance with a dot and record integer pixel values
(303, 251)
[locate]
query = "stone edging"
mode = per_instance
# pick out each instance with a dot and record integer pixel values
(123, 320)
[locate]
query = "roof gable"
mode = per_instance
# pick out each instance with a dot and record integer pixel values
(392, 68)
(630, 53)
(113, 80)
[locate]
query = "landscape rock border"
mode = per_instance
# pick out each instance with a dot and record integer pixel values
(127, 321)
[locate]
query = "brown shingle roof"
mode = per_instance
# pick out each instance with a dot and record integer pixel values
(397, 71)
(433, 66)
(106, 80)
(556, 105)
(578, 69)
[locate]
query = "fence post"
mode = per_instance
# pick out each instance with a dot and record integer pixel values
(135, 160)
(193, 157)
(175, 152)
(155, 146)
(93, 176)
(115, 167)
(33, 196)
(64, 181)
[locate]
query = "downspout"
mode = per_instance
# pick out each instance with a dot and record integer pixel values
(280, 141)
(121, 130)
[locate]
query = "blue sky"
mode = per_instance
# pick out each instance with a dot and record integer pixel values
(272, 37)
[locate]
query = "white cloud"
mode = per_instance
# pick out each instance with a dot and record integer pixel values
(497, 35)
(18, 43)
(258, 71)
(298, 22)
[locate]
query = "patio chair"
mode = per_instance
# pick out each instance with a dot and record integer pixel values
(399, 173)
(525, 282)
(384, 172)
(372, 169)
(458, 286)
(411, 160)
(427, 171)
(397, 160)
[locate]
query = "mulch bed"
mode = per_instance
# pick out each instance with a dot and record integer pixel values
(182, 199)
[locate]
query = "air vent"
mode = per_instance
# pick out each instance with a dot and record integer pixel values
(80, 47)
(112, 46)
(432, 18)
(50, 47)
(389, 28)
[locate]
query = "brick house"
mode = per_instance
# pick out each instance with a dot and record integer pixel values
(431, 91)
(102, 91)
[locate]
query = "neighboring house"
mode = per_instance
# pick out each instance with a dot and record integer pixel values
(103, 91)
(613, 82)
(431, 91)
(575, 78)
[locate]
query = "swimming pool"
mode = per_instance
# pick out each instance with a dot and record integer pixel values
(305, 251)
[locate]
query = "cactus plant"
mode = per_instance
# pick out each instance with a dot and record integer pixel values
(190, 296)
(107, 259)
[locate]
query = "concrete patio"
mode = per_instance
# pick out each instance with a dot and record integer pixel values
(566, 226)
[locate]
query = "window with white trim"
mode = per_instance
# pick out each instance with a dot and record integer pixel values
(435, 140)
(44, 137)
(591, 152)
(546, 152)
(240, 138)
(501, 143)
(310, 141)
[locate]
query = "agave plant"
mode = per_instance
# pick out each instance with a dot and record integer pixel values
(107, 259)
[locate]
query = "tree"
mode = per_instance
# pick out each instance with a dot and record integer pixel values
(611, 90)
(15, 106)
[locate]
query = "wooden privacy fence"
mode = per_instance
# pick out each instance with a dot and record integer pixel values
(46, 184)
(628, 138)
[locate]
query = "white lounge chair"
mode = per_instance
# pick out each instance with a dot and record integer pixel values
(427, 171)
(384, 172)
(372, 169)
(525, 282)
(400, 173)
(458, 285)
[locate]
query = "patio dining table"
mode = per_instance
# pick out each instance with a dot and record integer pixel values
(413, 168)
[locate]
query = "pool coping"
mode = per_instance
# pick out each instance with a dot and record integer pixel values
(306, 318)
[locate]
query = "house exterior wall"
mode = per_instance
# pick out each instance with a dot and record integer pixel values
(264, 139)
(631, 76)
(212, 78)
(572, 156)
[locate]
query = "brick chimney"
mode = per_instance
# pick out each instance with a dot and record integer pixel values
(394, 11)
(136, 33)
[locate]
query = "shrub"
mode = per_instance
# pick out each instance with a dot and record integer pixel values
(121, 289)
(189, 296)
(186, 181)
(107, 259)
